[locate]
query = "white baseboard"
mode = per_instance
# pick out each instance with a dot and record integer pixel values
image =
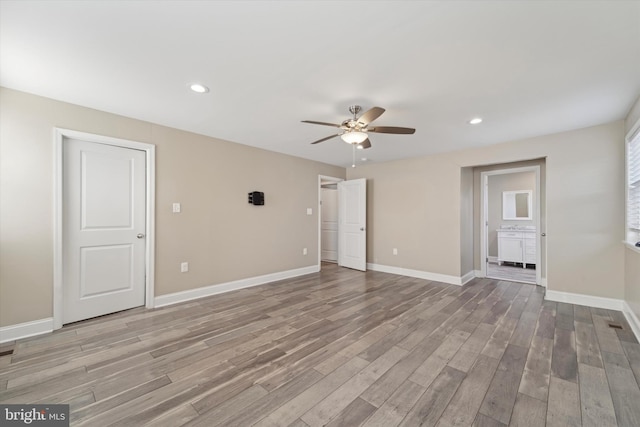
(436, 277)
(175, 298)
(468, 277)
(543, 281)
(631, 317)
(598, 302)
(478, 273)
(580, 299)
(25, 330)
(493, 259)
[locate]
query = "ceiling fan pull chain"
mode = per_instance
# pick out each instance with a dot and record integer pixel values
(353, 163)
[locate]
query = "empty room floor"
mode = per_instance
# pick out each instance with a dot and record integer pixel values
(340, 348)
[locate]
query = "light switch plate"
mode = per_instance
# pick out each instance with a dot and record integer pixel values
(309, 211)
(176, 208)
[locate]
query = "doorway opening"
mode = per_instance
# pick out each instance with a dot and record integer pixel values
(328, 219)
(342, 217)
(329, 222)
(511, 224)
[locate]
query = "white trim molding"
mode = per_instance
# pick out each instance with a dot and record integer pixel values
(418, 274)
(632, 247)
(468, 277)
(25, 330)
(580, 299)
(631, 317)
(178, 297)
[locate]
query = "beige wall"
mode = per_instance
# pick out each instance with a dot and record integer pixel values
(415, 205)
(632, 257)
(218, 232)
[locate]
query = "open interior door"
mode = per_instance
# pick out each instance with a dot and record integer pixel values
(352, 224)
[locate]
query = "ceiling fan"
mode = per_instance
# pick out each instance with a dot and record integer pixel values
(355, 131)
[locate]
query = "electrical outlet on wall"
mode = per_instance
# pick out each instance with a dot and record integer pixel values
(395, 251)
(304, 251)
(184, 267)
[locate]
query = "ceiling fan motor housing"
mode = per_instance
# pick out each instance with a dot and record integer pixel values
(354, 109)
(350, 124)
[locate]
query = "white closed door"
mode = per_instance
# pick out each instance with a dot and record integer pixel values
(103, 229)
(329, 224)
(352, 224)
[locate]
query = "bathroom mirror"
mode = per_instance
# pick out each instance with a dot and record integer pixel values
(516, 205)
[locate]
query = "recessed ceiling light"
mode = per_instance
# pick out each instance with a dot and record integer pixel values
(475, 121)
(197, 87)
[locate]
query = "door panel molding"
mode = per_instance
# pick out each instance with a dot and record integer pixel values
(60, 135)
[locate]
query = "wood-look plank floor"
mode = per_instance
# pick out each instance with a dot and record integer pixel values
(340, 348)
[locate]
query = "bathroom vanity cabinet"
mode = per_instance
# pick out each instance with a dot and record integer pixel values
(517, 246)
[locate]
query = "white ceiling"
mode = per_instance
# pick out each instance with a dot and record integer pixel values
(528, 68)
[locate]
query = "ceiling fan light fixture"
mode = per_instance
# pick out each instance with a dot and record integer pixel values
(353, 137)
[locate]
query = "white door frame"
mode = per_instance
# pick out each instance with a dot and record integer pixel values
(149, 149)
(321, 179)
(484, 213)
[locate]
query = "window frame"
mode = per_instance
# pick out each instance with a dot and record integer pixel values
(632, 235)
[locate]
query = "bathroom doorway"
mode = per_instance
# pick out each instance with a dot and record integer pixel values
(510, 241)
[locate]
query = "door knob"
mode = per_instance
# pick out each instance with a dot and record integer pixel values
(361, 228)
(543, 234)
(140, 236)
